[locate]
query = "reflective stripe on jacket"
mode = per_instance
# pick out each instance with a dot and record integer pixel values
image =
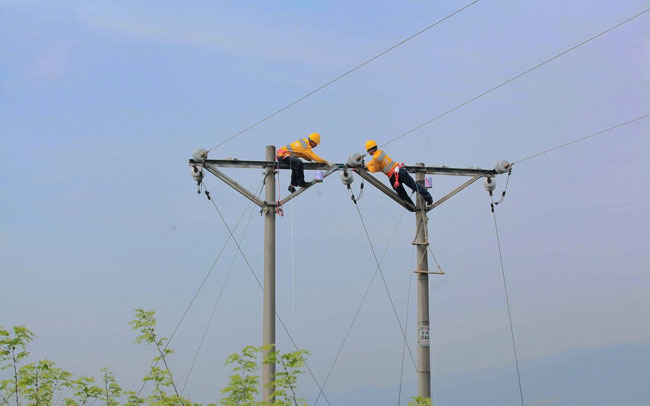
(381, 162)
(300, 149)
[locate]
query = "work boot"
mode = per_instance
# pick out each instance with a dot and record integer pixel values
(292, 188)
(430, 201)
(303, 184)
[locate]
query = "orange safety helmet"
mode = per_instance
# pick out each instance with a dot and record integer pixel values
(370, 144)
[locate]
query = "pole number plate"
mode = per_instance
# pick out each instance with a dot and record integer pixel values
(423, 336)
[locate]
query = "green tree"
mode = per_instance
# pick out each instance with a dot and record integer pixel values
(111, 391)
(285, 381)
(243, 387)
(13, 349)
(163, 379)
(420, 401)
(84, 390)
(39, 381)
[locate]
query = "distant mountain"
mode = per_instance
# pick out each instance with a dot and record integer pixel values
(616, 375)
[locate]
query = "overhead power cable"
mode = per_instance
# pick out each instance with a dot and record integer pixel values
(381, 273)
(298, 100)
(505, 289)
(257, 279)
(198, 290)
(216, 304)
(356, 313)
(582, 139)
(539, 65)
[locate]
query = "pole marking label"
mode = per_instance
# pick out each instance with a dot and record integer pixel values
(423, 336)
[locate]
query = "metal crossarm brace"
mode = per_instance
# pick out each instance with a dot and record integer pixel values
(216, 172)
(453, 192)
(383, 188)
(301, 190)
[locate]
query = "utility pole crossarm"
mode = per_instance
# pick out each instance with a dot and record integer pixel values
(310, 166)
(443, 170)
(237, 163)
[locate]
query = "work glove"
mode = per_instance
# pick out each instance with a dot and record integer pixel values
(330, 163)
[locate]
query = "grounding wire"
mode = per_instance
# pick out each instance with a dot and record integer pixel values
(342, 75)
(583, 138)
(505, 289)
(356, 314)
(214, 263)
(216, 304)
(284, 327)
(514, 78)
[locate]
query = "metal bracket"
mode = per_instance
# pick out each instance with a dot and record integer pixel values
(453, 192)
(429, 272)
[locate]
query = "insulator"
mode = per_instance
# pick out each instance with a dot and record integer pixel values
(502, 166)
(200, 155)
(355, 160)
(489, 184)
(197, 173)
(347, 178)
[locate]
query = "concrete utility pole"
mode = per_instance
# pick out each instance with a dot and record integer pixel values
(269, 205)
(422, 243)
(422, 270)
(268, 328)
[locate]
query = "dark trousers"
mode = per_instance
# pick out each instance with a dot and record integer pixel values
(406, 179)
(297, 171)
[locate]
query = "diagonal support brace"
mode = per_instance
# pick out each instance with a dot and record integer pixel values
(301, 190)
(383, 188)
(453, 192)
(227, 180)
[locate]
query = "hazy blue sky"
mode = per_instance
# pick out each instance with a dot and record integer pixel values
(102, 103)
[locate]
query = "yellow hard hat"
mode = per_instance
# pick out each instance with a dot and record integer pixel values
(370, 144)
(315, 137)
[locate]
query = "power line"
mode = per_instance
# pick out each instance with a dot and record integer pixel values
(284, 327)
(514, 78)
(216, 304)
(505, 289)
(406, 322)
(582, 139)
(196, 294)
(363, 299)
(342, 75)
(390, 297)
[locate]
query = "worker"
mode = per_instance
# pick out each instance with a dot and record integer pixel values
(291, 154)
(397, 175)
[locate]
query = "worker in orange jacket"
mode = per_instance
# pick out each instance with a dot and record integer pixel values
(397, 175)
(291, 154)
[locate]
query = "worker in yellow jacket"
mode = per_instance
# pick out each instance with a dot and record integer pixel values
(291, 154)
(397, 175)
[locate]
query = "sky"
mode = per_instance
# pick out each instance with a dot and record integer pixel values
(102, 103)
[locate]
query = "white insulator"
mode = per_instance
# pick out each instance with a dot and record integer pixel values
(200, 155)
(355, 160)
(197, 173)
(347, 178)
(489, 184)
(502, 166)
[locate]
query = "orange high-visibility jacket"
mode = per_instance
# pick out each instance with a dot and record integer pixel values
(301, 149)
(381, 162)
